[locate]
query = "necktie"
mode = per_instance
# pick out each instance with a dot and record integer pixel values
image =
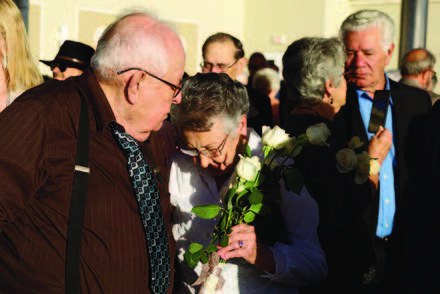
(147, 195)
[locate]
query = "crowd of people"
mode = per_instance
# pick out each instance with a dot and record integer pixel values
(159, 143)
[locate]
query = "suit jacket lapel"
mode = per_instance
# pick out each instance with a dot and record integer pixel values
(354, 117)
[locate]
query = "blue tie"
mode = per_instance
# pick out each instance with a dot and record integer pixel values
(150, 208)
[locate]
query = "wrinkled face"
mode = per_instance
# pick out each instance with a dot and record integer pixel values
(366, 59)
(155, 99)
(208, 141)
(219, 57)
(69, 72)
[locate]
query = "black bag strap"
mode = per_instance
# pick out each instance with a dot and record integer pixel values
(78, 201)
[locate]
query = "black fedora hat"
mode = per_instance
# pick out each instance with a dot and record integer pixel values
(73, 54)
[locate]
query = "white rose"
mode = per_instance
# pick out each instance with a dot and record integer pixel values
(355, 143)
(362, 168)
(275, 137)
(346, 160)
(248, 168)
(318, 134)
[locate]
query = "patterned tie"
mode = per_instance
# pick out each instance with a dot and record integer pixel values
(147, 195)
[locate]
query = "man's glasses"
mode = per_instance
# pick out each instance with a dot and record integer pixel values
(207, 67)
(61, 66)
(211, 153)
(175, 88)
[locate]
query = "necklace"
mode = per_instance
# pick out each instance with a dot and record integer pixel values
(307, 108)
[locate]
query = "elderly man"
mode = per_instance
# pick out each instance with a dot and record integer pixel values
(126, 241)
(224, 53)
(71, 60)
(368, 39)
(417, 70)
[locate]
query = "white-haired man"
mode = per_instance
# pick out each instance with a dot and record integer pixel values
(368, 39)
(126, 242)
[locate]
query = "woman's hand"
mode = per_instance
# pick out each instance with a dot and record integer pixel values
(380, 144)
(244, 243)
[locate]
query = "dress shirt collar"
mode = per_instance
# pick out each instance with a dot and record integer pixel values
(365, 95)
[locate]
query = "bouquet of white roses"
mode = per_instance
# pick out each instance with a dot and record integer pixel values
(347, 160)
(253, 193)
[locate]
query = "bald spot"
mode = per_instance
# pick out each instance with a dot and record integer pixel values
(159, 45)
(416, 55)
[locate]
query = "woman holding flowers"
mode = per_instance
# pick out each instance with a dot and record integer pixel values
(342, 182)
(212, 121)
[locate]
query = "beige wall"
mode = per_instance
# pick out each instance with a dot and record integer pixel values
(262, 25)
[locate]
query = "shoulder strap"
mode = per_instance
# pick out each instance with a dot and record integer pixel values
(77, 203)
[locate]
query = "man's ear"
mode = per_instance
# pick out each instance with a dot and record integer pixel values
(241, 64)
(132, 87)
(389, 53)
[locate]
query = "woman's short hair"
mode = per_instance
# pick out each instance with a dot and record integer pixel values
(308, 63)
(266, 80)
(21, 71)
(368, 18)
(207, 96)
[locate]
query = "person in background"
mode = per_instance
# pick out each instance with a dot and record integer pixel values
(417, 70)
(126, 240)
(212, 121)
(256, 62)
(268, 82)
(368, 37)
(223, 53)
(72, 60)
(18, 71)
(313, 70)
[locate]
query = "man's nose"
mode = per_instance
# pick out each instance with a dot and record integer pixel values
(178, 98)
(358, 59)
(216, 69)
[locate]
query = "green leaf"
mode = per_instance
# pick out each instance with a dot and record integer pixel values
(210, 248)
(224, 240)
(223, 222)
(256, 197)
(293, 180)
(194, 247)
(249, 217)
(189, 259)
(208, 211)
(204, 258)
(260, 209)
(247, 151)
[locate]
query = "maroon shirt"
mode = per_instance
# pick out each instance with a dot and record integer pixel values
(38, 136)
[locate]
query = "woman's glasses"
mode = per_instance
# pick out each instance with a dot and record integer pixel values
(211, 153)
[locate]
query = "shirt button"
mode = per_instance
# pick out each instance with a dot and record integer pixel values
(387, 201)
(386, 225)
(385, 176)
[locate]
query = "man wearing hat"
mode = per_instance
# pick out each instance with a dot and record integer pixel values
(72, 59)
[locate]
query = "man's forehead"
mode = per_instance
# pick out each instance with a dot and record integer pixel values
(367, 39)
(221, 48)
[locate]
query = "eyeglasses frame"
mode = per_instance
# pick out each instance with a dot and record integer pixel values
(173, 87)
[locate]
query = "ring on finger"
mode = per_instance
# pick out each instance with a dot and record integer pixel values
(240, 244)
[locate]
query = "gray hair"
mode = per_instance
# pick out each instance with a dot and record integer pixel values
(413, 66)
(266, 80)
(127, 43)
(206, 97)
(366, 19)
(308, 63)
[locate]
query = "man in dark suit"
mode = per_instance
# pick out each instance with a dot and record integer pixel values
(223, 53)
(368, 38)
